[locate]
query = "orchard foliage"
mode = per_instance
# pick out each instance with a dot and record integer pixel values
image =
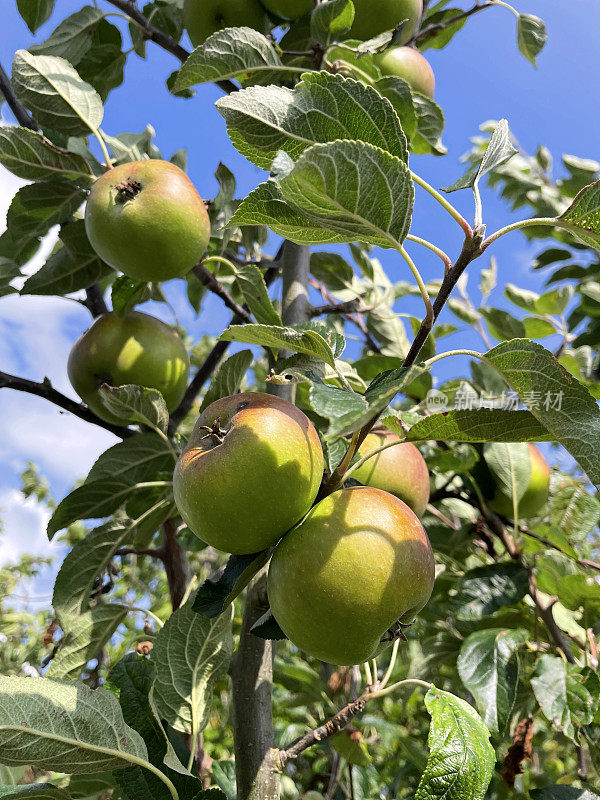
(493, 691)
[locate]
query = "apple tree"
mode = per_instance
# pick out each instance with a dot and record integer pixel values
(247, 606)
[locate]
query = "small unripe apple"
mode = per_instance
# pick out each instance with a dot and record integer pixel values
(535, 496)
(146, 219)
(400, 470)
(360, 562)
(251, 470)
(135, 348)
(408, 63)
(202, 18)
(372, 18)
(288, 9)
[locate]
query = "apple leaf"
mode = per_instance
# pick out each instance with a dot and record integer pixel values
(55, 94)
(266, 206)
(484, 590)
(510, 464)
(221, 589)
(281, 338)
(489, 667)
(354, 189)
(572, 508)
(567, 410)
(227, 54)
(562, 792)
(461, 758)
(28, 155)
(73, 267)
(65, 727)
(430, 126)
(251, 283)
(38, 207)
(531, 36)
(263, 120)
(399, 93)
(331, 20)
(583, 215)
(136, 404)
(267, 627)
(481, 425)
(229, 377)
(35, 12)
(499, 150)
(190, 653)
(568, 694)
(35, 791)
(8, 272)
(72, 39)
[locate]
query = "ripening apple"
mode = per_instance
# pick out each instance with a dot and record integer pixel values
(136, 349)
(146, 219)
(251, 470)
(408, 63)
(360, 562)
(400, 470)
(536, 494)
(202, 18)
(288, 9)
(371, 18)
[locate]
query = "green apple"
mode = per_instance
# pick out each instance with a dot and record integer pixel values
(536, 495)
(371, 18)
(146, 219)
(202, 18)
(408, 63)
(360, 562)
(400, 470)
(135, 349)
(288, 9)
(251, 470)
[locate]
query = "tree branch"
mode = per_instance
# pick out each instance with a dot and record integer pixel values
(437, 27)
(48, 392)
(349, 307)
(355, 319)
(95, 301)
(154, 34)
(176, 564)
(22, 116)
(207, 279)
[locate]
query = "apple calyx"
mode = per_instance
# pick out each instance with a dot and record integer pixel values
(215, 431)
(128, 190)
(396, 631)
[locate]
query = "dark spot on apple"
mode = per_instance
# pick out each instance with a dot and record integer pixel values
(241, 406)
(128, 190)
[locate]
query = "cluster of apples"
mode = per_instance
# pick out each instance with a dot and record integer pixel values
(372, 17)
(344, 571)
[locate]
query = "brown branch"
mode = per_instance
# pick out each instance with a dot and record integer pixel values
(22, 116)
(349, 307)
(355, 319)
(207, 279)
(176, 564)
(94, 301)
(132, 551)
(48, 392)
(154, 34)
(437, 27)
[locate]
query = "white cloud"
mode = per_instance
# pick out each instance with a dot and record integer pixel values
(27, 520)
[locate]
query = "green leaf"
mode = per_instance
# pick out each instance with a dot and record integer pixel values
(72, 267)
(37, 208)
(64, 727)
(333, 271)
(103, 64)
(126, 293)
(583, 215)
(55, 94)
(399, 93)
(278, 338)
(489, 667)
(251, 283)
(556, 301)
(264, 120)
(223, 773)
(461, 759)
(523, 298)
(331, 20)
(28, 155)
(35, 791)
(567, 694)
(531, 36)
(498, 152)
(464, 311)
(136, 404)
(510, 464)
(484, 590)
(220, 590)
(190, 653)
(8, 272)
(266, 206)
(529, 368)
(35, 12)
(502, 325)
(328, 184)
(227, 54)
(482, 425)
(563, 793)
(351, 746)
(488, 280)
(228, 379)
(572, 508)
(430, 126)
(138, 459)
(461, 458)
(73, 37)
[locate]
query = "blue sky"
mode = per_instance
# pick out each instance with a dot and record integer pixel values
(480, 76)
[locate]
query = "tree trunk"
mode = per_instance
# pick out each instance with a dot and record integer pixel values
(256, 762)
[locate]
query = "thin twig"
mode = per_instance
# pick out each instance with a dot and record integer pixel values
(22, 116)
(349, 307)
(95, 301)
(48, 392)
(207, 279)
(437, 27)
